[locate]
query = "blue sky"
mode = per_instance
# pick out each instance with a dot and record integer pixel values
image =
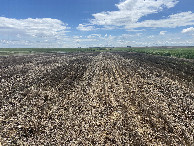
(86, 23)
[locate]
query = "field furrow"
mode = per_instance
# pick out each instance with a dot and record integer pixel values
(94, 99)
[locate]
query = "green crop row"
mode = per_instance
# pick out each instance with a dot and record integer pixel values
(187, 53)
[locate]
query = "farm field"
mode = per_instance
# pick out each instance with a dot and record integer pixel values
(187, 53)
(179, 52)
(96, 98)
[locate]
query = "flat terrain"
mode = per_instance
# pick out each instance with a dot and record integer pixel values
(179, 52)
(107, 98)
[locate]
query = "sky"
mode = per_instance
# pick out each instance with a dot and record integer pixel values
(96, 23)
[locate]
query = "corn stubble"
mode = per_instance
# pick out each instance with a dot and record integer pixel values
(95, 99)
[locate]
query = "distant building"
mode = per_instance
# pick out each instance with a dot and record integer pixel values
(128, 46)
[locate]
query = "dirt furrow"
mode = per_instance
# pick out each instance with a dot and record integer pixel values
(153, 107)
(94, 99)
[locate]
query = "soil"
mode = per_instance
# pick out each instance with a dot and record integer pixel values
(117, 98)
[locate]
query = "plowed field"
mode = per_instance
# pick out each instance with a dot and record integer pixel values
(96, 99)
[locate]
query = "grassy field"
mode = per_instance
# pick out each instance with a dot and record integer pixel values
(187, 53)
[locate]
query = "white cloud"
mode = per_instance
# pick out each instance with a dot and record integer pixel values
(32, 31)
(176, 20)
(188, 30)
(86, 27)
(163, 32)
(170, 39)
(77, 37)
(130, 11)
(44, 27)
(134, 39)
(94, 36)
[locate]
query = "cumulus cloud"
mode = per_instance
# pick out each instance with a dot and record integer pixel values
(163, 32)
(170, 39)
(77, 37)
(86, 27)
(176, 20)
(32, 30)
(188, 30)
(34, 27)
(134, 39)
(94, 36)
(130, 11)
